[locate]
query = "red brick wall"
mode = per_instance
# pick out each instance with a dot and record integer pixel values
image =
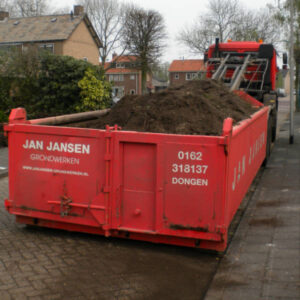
(181, 78)
(127, 83)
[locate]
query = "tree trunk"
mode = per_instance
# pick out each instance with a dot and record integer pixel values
(144, 77)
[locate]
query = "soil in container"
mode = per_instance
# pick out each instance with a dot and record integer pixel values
(197, 107)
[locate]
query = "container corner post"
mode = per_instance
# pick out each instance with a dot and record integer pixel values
(18, 116)
(227, 127)
(226, 134)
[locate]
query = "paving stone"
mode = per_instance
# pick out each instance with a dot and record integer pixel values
(285, 253)
(5, 296)
(40, 263)
(280, 289)
(245, 294)
(291, 275)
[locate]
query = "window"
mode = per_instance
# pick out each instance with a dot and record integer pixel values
(85, 59)
(116, 77)
(118, 91)
(132, 77)
(176, 76)
(47, 47)
(120, 65)
(11, 47)
(190, 76)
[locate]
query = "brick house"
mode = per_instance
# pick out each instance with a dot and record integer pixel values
(69, 34)
(123, 71)
(181, 71)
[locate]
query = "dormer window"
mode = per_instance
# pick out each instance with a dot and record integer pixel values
(120, 65)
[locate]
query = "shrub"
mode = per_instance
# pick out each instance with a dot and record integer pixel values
(47, 85)
(95, 91)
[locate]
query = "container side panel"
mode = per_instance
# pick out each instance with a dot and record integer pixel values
(138, 186)
(246, 154)
(62, 176)
(194, 186)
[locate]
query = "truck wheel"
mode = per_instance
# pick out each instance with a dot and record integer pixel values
(269, 142)
(274, 128)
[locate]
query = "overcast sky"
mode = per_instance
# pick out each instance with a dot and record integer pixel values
(177, 14)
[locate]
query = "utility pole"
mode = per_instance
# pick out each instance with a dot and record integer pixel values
(292, 73)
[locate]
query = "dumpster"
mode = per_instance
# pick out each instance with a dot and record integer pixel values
(163, 188)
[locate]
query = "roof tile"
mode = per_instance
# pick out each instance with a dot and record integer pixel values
(37, 29)
(187, 65)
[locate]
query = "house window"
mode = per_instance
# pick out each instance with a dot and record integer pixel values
(132, 77)
(190, 76)
(176, 76)
(11, 47)
(47, 47)
(116, 77)
(85, 59)
(118, 92)
(119, 65)
(132, 92)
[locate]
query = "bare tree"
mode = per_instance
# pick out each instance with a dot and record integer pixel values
(60, 10)
(143, 36)
(218, 22)
(227, 19)
(252, 25)
(198, 37)
(222, 16)
(107, 18)
(29, 8)
(7, 5)
(284, 16)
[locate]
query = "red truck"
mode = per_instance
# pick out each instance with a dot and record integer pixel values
(251, 67)
(163, 188)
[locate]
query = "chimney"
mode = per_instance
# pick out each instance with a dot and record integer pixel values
(78, 10)
(114, 55)
(4, 15)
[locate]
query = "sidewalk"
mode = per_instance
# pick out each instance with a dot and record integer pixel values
(263, 259)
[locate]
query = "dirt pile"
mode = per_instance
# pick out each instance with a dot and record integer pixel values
(198, 107)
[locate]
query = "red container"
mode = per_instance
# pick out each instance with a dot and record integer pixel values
(165, 188)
